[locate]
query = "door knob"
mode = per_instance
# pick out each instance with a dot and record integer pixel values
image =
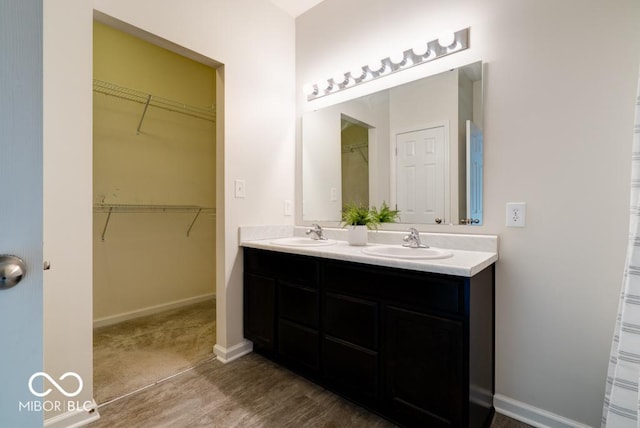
(438, 220)
(12, 270)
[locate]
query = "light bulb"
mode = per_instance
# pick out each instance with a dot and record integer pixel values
(421, 49)
(446, 39)
(309, 89)
(376, 66)
(324, 85)
(455, 47)
(397, 58)
(339, 78)
(357, 73)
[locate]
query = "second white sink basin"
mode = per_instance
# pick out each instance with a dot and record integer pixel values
(407, 253)
(299, 241)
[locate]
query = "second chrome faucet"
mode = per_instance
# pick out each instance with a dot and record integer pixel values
(412, 240)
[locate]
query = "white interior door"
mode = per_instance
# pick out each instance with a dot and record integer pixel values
(21, 208)
(420, 170)
(475, 166)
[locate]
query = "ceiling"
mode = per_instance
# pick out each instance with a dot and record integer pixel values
(295, 7)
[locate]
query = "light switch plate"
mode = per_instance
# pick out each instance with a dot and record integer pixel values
(333, 197)
(516, 214)
(288, 207)
(240, 188)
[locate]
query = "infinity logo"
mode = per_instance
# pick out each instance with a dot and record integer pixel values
(58, 387)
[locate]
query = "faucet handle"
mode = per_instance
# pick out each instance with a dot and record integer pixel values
(413, 231)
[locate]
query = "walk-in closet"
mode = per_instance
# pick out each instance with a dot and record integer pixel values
(154, 148)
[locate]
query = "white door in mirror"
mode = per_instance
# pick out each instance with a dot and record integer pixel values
(421, 172)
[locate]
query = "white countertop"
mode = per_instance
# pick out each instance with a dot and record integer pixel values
(463, 262)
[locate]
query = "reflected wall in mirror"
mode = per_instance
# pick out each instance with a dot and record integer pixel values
(417, 147)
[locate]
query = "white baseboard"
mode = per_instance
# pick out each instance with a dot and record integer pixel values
(75, 418)
(532, 415)
(226, 355)
(115, 319)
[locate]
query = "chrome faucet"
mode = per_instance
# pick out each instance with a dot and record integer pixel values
(316, 232)
(413, 239)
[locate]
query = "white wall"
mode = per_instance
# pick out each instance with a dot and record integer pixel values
(560, 86)
(255, 42)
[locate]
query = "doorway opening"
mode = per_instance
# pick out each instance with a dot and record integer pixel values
(354, 144)
(154, 240)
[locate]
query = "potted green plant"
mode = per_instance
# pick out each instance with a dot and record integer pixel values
(357, 219)
(385, 214)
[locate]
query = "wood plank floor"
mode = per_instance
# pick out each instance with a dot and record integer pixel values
(250, 392)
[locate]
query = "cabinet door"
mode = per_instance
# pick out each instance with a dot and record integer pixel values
(298, 338)
(299, 304)
(259, 311)
(350, 369)
(351, 319)
(298, 346)
(423, 369)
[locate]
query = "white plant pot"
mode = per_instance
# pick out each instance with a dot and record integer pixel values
(357, 235)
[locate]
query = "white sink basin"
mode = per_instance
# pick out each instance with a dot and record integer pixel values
(298, 241)
(400, 252)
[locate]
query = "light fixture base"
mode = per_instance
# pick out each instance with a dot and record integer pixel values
(387, 66)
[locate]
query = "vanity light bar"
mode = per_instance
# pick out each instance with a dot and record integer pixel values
(421, 54)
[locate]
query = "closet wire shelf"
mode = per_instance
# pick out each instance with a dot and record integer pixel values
(132, 208)
(148, 100)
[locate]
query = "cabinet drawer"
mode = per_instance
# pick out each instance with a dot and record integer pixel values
(298, 345)
(303, 270)
(351, 319)
(421, 291)
(299, 304)
(352, 369)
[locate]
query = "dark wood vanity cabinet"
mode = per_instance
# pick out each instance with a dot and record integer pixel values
(281, 308)
(414, 347)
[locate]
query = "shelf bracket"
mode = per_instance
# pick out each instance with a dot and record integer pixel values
(106, 223)
(144, 112)
(194, 221)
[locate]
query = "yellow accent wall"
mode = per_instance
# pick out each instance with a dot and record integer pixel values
(146, 260)
(355, 164)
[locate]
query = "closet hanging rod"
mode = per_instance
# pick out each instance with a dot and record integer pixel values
(351, 147)
(111, 89)
(134, 208)
(149, 208)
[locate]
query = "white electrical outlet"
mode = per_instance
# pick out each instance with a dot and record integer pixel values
(516, 214)
(288, 207)
(240, 189)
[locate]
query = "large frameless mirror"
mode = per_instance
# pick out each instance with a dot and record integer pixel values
(417, 147)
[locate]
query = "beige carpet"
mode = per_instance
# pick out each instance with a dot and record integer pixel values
(139, 352)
